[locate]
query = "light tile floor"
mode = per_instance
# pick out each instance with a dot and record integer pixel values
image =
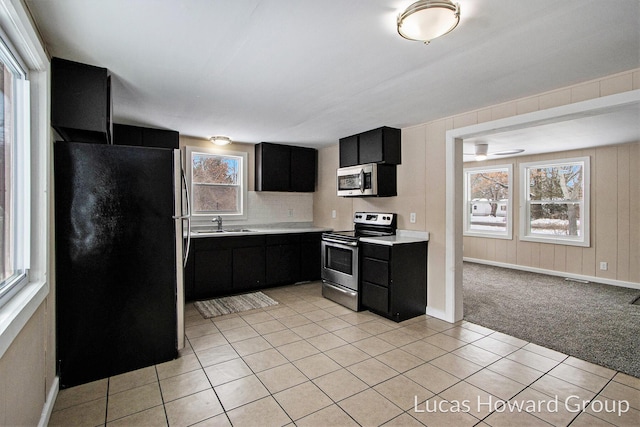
(311, 362)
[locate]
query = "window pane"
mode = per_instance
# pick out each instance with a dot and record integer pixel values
(553, 183)
(207, 198)
(488, 201)
(211, 169)
(6, 169)
(556, 202)
(555, 219)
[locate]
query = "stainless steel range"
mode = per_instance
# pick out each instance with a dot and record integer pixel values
(340, 256)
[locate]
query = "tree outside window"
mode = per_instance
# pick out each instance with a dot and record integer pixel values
(556, 202)
(217, 182)
(488, 201)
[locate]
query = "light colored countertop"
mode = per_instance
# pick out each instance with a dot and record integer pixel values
(257, 229)
(402, 237)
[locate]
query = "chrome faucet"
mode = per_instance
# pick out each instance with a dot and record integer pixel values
(218, 219)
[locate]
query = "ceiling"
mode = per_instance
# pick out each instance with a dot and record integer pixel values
(309, 72)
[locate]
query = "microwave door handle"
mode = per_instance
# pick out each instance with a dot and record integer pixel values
(362, 180)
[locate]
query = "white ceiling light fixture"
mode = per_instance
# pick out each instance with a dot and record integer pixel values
(425, 20)
(481, 151)
(220, 140)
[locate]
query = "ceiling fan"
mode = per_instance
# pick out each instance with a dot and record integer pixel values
(481, 151)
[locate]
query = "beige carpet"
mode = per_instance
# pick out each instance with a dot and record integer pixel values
(233, 304)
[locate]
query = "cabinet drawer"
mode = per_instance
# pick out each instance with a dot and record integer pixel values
(375, 271)
(375, 297)
(376, 251)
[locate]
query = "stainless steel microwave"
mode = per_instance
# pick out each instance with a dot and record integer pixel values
(367, 180)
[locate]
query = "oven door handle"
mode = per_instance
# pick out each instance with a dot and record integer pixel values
(339, 242)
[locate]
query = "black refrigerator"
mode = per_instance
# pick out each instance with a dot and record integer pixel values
(118, 257)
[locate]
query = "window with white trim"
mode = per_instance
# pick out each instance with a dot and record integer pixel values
(488, 201)
(218, 181)
(555, 208)
(15, 169)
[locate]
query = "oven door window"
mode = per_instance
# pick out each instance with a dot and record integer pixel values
(339, 259)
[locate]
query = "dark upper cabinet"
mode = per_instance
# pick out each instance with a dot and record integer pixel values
(382, 145)
(80, 101)
(304, 163)
(145, 137)
(285, 168)
(349, 151)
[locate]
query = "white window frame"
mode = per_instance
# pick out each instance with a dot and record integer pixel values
(241, 214)
(21, 176)
(508, 233)
(585, 238)
(23, 40)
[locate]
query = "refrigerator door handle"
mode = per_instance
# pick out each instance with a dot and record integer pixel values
(187, 217)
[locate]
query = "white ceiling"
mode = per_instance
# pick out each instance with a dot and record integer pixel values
(310, 72)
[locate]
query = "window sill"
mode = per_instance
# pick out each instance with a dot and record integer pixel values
(15, 314)
(487, 235)
(557, 241)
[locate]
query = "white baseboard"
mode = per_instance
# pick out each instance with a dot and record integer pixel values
(594, 279)
(438, 314)
(47, 409)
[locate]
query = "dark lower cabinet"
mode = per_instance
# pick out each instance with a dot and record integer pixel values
(394, 279)
(310, 256)
(224, 266)
(283, 259)
(248, 268)
(214, 271)
(227, 265)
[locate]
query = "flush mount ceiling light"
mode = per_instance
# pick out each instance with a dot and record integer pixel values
(481, 152)
(425, 20)
(220, 140)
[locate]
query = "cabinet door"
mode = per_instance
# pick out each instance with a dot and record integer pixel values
(375, 297)
(283, 258)
(147, 137)
(349, 151)
(380, 145)
(310, 256)
(303, 169)
(161, 138)
(375, 271)
(127, 135)
(213, 273)
(273, 167)
(80, 101)
(248, 268)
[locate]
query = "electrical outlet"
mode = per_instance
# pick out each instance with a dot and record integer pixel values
(333, 214)
(604, 265)
(290, 212)
(412, 218)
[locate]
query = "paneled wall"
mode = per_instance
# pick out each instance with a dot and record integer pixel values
(421, 188)
(615, 220)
